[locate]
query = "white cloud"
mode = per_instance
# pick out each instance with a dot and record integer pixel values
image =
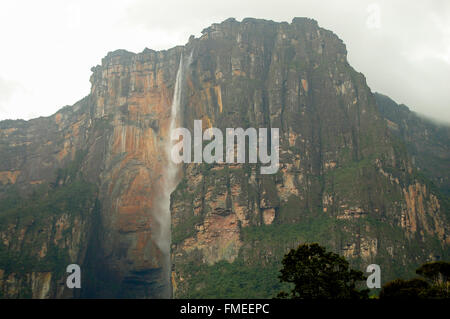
(49, 46)
(373, 20)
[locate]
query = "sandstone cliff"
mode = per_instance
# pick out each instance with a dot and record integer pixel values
(108, 146)
(344, 180)
(84, 185)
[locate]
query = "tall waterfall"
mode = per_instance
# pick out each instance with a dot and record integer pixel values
(170, 178)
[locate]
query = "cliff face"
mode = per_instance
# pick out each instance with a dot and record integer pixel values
(426, 141)
(344, 179)
(46, 213)
(85, 185)
(107, 148)
(132, 94)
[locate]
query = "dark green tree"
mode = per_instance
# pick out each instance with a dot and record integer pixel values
(404, 289)
(437, 273)
(318, 274)
(434, 285)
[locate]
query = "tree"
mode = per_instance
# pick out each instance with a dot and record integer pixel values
(434, 285)
(438, 272)
(404, 289)
(318, 274)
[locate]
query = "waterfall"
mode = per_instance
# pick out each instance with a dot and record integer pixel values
(170, 180)
(172, 168)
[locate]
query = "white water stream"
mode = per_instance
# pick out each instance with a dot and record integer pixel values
(170, 177)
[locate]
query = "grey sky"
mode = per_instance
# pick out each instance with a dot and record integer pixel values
(49, 46)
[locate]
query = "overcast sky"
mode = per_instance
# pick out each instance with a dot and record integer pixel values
(49, 46)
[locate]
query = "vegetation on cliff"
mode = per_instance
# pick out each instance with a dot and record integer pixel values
(358, 174)
(318, 274)
(434, 284)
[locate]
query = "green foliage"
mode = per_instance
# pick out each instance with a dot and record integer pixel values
(46, 201)
(404, 289)
(289, 210)
(70, 172)
(232, 280)
(11, 199)
(288, 234)
(22, 262)
(103, 124)
(317, 274)
(436, 284)
(437, 271)
(185, 228)
(254, 273)
(346, 177)
(36, 213)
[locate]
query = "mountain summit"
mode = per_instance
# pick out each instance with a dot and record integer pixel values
(88, 185)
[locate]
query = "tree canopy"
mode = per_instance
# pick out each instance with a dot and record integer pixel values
(434, 284)
(318, 274)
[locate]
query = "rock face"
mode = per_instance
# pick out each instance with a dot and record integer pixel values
(85, 185)
(344, 180)
(98, 165)
(427, 142)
